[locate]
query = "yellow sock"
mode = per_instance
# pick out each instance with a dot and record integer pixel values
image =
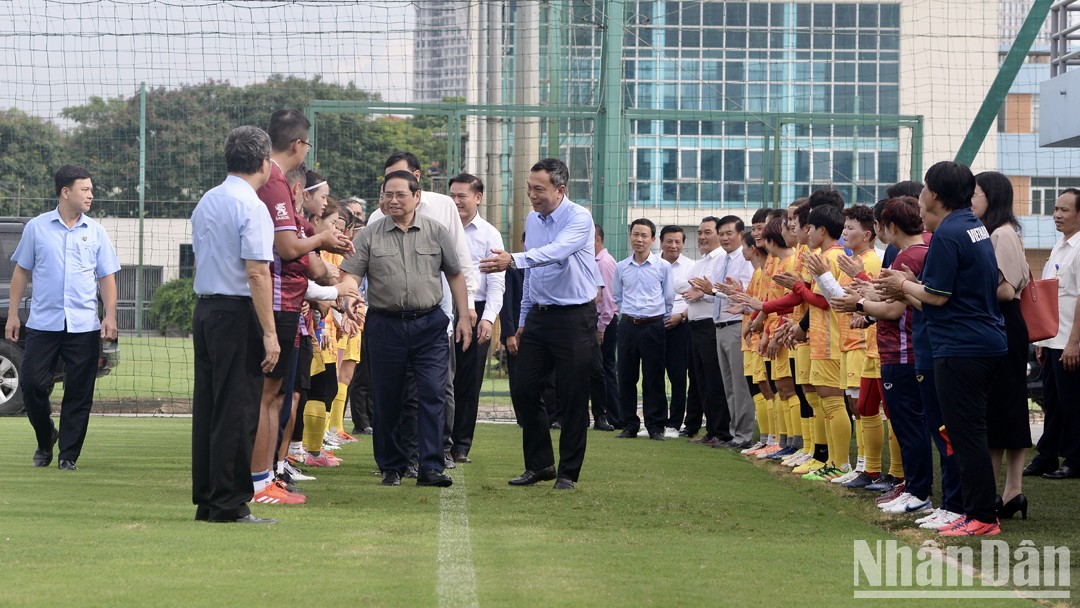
(314, 423)
(782, 414)
(337, 408)
(807, 434)
(775, 422)
(873, 440)
(762, 410)
(794, 425)
(896, 463)
(821, 430)
(860, 445)
(839, 429)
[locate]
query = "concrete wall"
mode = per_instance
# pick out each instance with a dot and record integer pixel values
(161, 242)
(945, 72)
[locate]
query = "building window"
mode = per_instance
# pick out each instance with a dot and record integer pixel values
(1045, 191)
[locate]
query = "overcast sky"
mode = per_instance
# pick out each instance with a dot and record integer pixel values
(59, 53)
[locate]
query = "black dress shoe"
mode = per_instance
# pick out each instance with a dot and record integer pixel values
(626, 434)
(687, 434)
(68, 465)
(461, 457)
(410, 472)
(391, 478)
(556, 425)
(1036, 470)
(43, 458)
(602, 424)
(656, 436)
(250, 518)
(563, 483)
(528, 478)
(448, 461)
(430, 477)
(1063, 472)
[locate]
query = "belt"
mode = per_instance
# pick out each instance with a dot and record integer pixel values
(405, 315)
(706, 322)
(642, 320)
(555, 307)
(214, 296)
(724, 324)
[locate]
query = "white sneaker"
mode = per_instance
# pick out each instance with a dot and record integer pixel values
(913, 504)
(671, 433)
(846, 477)
(943, 520)
(756, 446)
(804, 458)
(899, 499)
(644, 432)
(296, 474)
(932, 516)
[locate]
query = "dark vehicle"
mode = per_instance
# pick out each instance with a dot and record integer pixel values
(11, 355)
(1034, 377)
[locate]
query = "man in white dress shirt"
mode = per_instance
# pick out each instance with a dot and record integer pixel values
(677, 342)
(467, 192)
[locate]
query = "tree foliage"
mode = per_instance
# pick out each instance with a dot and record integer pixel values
(185, 131)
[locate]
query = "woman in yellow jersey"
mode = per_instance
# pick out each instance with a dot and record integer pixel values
(753, 364)
(786, 422)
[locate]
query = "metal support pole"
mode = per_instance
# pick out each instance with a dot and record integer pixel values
(527, 92)
(558, 16)
(610, 186)
(142, 210)
(1003, 82)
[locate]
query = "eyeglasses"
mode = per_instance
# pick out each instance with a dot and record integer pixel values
(390, 196)
(306, 143)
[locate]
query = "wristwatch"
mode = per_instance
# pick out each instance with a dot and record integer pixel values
(859, 305)
(512, 265)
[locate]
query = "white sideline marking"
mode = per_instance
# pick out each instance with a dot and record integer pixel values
(457, 578)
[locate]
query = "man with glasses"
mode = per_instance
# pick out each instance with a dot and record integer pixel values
(295, 260)
(403, 255)
(442, 209)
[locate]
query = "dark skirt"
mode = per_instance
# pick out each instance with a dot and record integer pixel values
(1007, 423)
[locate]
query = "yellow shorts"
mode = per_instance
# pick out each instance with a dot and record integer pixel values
(781, 365)
(871, 367)
(351, 347)
(826, 372)
(851, 367)
(802, 364)
(750, 361)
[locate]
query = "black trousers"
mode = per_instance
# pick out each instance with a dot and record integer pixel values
(641, 349)
(712, 400)
(360, 402)
(598, 397)
(607, 394)
(396, 345)
(79, 352)
(962, 387)
(468, 379)
(561, 338)
(1061, 402)
(676, 362)
(225, 406)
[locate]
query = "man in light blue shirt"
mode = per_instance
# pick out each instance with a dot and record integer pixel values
(233, 330)
(68, 257)
(557, 324)
(644, 291)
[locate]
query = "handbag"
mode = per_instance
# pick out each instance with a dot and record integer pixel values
(1039, 306)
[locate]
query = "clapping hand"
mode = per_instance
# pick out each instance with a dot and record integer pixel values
(850, 265)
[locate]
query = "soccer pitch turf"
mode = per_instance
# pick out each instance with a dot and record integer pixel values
(660, 524)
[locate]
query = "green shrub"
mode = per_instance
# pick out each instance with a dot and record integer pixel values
(173, 307)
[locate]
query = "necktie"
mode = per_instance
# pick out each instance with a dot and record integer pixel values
(721, 301)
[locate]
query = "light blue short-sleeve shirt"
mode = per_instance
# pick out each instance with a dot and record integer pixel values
(65, 265)
(229, 225)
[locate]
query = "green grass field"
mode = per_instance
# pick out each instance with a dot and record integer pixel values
(662, 524)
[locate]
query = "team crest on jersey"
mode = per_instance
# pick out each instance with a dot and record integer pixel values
(282, 211)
